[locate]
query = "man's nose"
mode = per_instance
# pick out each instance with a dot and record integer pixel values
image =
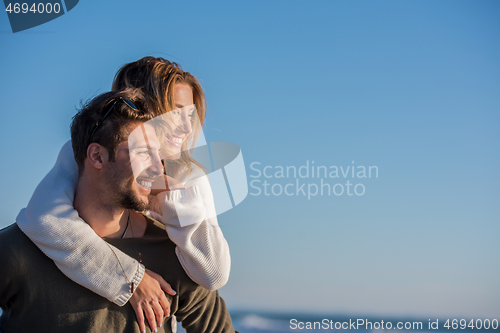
(156, 165)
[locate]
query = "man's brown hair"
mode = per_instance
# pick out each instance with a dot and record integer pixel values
(88, 125)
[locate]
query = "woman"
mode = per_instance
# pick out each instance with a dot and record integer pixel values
(185, 206)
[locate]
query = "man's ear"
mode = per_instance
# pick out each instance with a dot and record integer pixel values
(97, 155)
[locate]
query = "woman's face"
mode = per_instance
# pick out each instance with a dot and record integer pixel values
(179, 121)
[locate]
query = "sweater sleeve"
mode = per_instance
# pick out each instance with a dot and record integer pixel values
(191, 223)
(53, 224)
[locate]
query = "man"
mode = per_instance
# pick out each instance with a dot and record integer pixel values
(115, 177)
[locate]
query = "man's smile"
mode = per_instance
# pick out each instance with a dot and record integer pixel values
(145, 183)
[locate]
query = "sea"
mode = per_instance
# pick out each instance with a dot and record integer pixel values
(282, 322)
(245, 321)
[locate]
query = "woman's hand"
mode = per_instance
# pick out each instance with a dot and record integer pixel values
(171, 184)
(149, 299)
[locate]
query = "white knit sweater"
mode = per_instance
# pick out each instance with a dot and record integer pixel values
(53, 224)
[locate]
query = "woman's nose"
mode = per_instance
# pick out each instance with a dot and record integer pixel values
(185, 124)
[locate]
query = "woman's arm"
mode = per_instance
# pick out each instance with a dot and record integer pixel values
(191, 222)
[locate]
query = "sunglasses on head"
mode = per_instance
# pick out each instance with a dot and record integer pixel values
(127, 101)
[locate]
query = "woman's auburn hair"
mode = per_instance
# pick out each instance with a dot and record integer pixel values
(157, 77)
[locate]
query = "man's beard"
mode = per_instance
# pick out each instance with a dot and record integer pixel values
(124, 194)
(129, 200)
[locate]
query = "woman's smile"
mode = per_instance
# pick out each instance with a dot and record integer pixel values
(175, 140)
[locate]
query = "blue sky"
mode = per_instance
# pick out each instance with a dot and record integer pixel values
(412, 87)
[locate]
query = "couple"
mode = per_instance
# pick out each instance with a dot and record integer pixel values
(133, 170)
